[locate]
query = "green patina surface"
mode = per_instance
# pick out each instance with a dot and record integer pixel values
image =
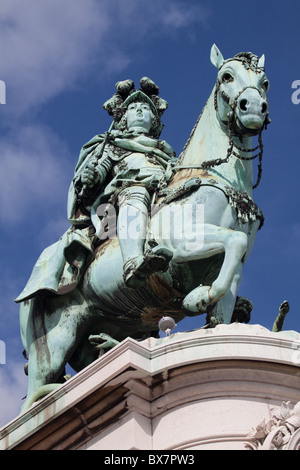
(150, 234)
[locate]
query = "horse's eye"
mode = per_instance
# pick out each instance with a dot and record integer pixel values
(227, 77)
(265, 85)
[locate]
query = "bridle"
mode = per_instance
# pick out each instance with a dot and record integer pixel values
(232, 128)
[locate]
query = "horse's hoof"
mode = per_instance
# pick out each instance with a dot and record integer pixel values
(197, 301)
(137, 270)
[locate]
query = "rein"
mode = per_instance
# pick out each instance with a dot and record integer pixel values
(231, 127)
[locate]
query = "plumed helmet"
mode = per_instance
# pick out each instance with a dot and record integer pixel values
(126, 93)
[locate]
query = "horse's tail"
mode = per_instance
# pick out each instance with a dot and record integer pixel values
(39, 393)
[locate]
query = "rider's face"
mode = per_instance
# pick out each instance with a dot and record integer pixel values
(139, 115)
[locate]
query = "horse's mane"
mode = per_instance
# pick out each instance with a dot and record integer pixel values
(191, 134)
(249, 60)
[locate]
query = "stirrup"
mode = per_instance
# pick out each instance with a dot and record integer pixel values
(138, 269)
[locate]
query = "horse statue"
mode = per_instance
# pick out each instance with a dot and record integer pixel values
(204, 216)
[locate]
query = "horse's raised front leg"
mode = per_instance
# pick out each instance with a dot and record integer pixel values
(215, 240)
(224, 308)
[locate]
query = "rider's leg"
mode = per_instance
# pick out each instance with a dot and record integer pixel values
(132, 222)
(132, 232)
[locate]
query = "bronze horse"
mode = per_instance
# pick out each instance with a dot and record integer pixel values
(211, 193)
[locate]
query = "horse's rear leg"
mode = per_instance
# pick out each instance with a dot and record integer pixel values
(50, 341)
(216, 240)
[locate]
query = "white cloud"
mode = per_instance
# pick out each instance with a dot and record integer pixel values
(48, 46)
(144, 16)
(179, 15)
(13, 387)
(35, 173)
(50, 232)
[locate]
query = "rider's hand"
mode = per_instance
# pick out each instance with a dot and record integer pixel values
(89, 177)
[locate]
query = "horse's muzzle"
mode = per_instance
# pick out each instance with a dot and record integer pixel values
(251, 110)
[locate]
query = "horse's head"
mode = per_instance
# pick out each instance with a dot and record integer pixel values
(241, 91)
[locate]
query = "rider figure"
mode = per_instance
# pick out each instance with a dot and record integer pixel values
(127, 166)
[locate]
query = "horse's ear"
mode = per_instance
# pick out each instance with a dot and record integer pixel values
(216, 57)
(261, 62)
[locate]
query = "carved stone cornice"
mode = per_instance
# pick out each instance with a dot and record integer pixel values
(199, 390)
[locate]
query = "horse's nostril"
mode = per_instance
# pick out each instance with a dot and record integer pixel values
(264, 107)
(243, 105)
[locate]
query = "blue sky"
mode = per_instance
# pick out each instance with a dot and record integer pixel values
(60, 60)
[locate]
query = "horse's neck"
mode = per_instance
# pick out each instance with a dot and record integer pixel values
(209, 141)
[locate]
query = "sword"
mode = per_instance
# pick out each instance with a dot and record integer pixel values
(95, 157)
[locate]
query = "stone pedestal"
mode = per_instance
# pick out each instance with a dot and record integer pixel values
(204, 389)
